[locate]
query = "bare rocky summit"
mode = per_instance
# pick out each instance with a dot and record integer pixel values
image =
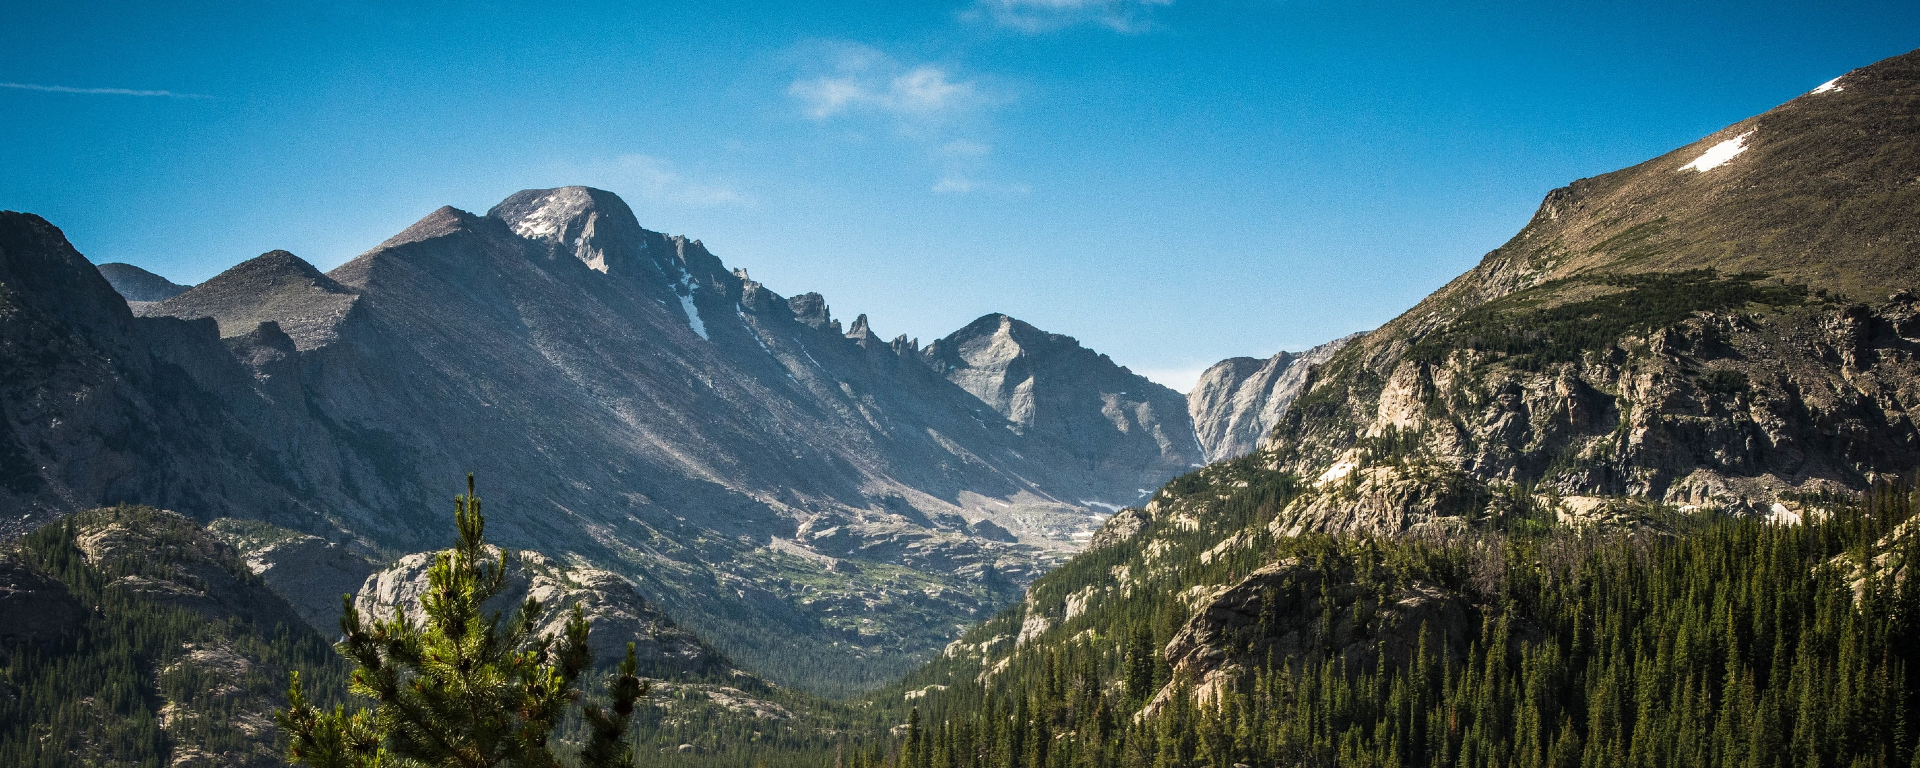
(276, 287)
(618, 613)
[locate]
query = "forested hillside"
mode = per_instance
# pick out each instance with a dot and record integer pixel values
(1675, 640)
(134, 638)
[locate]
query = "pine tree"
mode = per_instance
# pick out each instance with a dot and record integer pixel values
(459, 691)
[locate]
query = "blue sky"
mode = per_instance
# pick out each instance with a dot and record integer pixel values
(1171, 181)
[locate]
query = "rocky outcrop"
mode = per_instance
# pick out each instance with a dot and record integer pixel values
(1239, 400)
(1294, 610)
(155, 644)
(173, 561)
(618, 614)
(1122, 527)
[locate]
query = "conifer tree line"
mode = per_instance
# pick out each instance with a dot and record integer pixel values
(1715, 642)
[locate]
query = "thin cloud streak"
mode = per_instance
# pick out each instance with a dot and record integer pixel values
(1035, 17)
(101, 91)
(931, 106)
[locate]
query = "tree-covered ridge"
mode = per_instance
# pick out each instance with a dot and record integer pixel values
(1536, 327)
(177, 654)
(1719, 641)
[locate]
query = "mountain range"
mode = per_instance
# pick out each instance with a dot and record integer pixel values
(822, 503)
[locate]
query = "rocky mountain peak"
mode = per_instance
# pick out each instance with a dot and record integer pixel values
(593, 225)
(1047, 382)
(275, 286)
(811, 309)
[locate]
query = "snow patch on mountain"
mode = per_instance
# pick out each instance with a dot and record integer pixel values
(1719, 154)
(1830, 86)
(686, 303)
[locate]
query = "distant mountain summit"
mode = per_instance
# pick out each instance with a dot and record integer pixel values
(798, 491)
(139, 285)
(1047, 384)
(277, 287)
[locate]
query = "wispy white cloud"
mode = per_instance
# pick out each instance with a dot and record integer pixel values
(963, 184)
(101, 91)
(861, 80)
(937, 109)
(1037, 16)
(649, 178)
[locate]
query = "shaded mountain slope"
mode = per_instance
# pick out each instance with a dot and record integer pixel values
(138, 285)
(97, 406)
(1107, 417)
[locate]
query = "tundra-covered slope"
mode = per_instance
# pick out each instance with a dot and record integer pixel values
(1730, 325)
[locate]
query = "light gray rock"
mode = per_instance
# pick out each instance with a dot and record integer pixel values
(1238, 400)
(618, 614)
(1045, 385)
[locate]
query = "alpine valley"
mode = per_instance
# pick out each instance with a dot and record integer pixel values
(1635, 490)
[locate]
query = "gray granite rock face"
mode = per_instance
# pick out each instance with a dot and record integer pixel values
(617, 613)
(1045, 385)
(1238, 400)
